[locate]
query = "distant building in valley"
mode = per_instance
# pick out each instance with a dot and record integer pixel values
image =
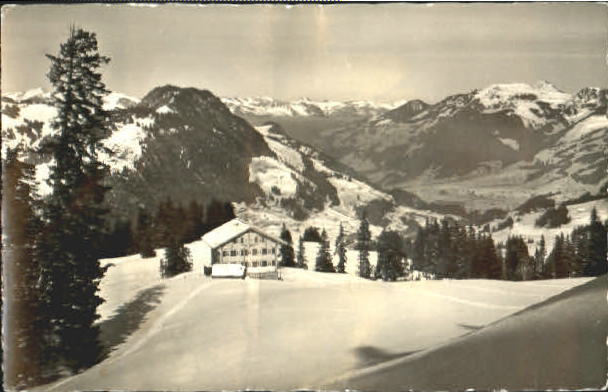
(237, 242)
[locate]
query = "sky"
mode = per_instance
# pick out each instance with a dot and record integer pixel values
(379, 52)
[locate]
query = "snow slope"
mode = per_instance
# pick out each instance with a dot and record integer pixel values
(557, 344)
(204, 334)
(287, 172)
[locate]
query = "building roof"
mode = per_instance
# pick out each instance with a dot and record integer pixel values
(231, 230)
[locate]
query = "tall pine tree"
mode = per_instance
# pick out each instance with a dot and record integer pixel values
(596, 263)
(73, 215)
(323, 262)
(301, 261)
(177, 259)
(363, 245)
(390, 256)
(144, 236)
(287, 254)
(22, 339)
(341, 250)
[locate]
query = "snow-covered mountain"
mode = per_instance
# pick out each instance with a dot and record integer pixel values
(486, 132)
(185, 144)
(304, 107)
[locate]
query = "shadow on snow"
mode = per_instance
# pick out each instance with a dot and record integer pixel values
(128, 319)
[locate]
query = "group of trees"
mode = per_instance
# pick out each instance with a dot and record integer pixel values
(448, 249)
(554, 217)
(389, 245)
(170, 223)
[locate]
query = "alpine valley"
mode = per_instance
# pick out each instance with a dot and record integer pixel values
(319, 163)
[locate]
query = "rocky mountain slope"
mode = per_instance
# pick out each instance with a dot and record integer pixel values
(534, 135)
(185, 144)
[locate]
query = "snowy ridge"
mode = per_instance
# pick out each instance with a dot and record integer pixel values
(116, 100)
(304, 107)
(528, 102)
(25, 125)
(286, 173)
(27, 118)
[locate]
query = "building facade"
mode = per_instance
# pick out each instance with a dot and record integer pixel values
(250, 249)
(236, 242)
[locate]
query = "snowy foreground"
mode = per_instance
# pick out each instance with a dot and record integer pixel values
(311, 330)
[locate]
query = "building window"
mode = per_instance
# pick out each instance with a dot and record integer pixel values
(264, 251)
(254, 252)
(273, 250)
(242, 252)
(255, 239)
(246, 252)
(224, 253)
(233, 253)
(264, 263)
(274, 262)
(242, 239)
(255, 263)
(244, 264)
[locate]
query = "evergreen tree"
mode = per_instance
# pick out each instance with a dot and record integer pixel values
(571, 259)
(323, 262)
(194, 222)
(486, 264)
(540, 257)
(217, 214)
(177, 259)
(165, 224)
(461, 254)
(287, 256)
(312, 234)
(341, 250)
(363, 245)
(301, 256)
(73, 215)
(22, 339)
(117, 240)
(444, 250)
(517, 260)
(144, 234)
(596, 263)
(580, 242)
(558, 263)
(418, 250)
(390, 256)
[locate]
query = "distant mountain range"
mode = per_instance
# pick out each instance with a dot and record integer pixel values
(185, 144)
(304, 107)
(489, 148)
(492, 147)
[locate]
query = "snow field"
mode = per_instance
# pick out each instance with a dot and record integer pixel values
(268, 172)
(295, 333)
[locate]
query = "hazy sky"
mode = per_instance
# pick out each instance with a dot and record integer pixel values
(380, 52)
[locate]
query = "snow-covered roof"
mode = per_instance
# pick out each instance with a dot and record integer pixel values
(232, 229)
(227, 271)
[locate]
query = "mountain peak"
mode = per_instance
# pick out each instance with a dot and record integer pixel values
(407, 111)
(188, 97)
(547, 86)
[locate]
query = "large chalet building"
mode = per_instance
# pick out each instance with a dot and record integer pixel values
(237, 243)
